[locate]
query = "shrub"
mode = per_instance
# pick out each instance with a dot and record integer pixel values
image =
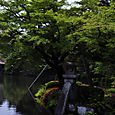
(111, 90)
(48, 94)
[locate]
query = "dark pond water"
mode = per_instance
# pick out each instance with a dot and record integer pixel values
(15, 99)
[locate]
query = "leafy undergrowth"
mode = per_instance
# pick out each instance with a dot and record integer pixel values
(110, 100)
(102, 100)
(48, 94)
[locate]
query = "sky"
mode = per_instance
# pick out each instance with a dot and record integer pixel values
(72, 0)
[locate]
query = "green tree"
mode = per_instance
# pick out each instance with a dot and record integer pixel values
(98, 35)
(38, 32)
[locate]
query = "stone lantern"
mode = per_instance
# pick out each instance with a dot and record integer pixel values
(69, 80)
(69, 69)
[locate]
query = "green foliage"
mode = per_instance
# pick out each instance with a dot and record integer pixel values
(35, 27)
(39, 32)
(52, 84)
(51, 99)
(78, 83)
(112, 90)
(90, 113)
(36, 32)
(48, 96)
(39, 95)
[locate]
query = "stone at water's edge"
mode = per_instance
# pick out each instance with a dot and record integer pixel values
(80, 110)
(84, 110)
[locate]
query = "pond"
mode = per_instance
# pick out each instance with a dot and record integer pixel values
(15, 99)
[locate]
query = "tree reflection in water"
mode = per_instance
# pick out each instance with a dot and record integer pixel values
(1, 89)
(14, 96)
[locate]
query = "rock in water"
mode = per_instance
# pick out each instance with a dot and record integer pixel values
(84, 110)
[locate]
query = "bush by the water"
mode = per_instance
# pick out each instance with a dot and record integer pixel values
(48, 94)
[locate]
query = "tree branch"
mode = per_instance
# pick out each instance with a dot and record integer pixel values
(86, 68)
(46, 57)
(15, 14)
(99, 33)
(64, 55)
(28, 14)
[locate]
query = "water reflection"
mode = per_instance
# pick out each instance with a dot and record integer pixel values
(15, 98)
(1, 92)
(6, 110)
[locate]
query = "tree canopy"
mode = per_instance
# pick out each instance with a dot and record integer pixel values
(47, 31)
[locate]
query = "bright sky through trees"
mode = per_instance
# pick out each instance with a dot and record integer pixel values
(70, 1)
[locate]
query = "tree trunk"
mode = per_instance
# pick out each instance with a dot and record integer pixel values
(60, 72)
(86, 68)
